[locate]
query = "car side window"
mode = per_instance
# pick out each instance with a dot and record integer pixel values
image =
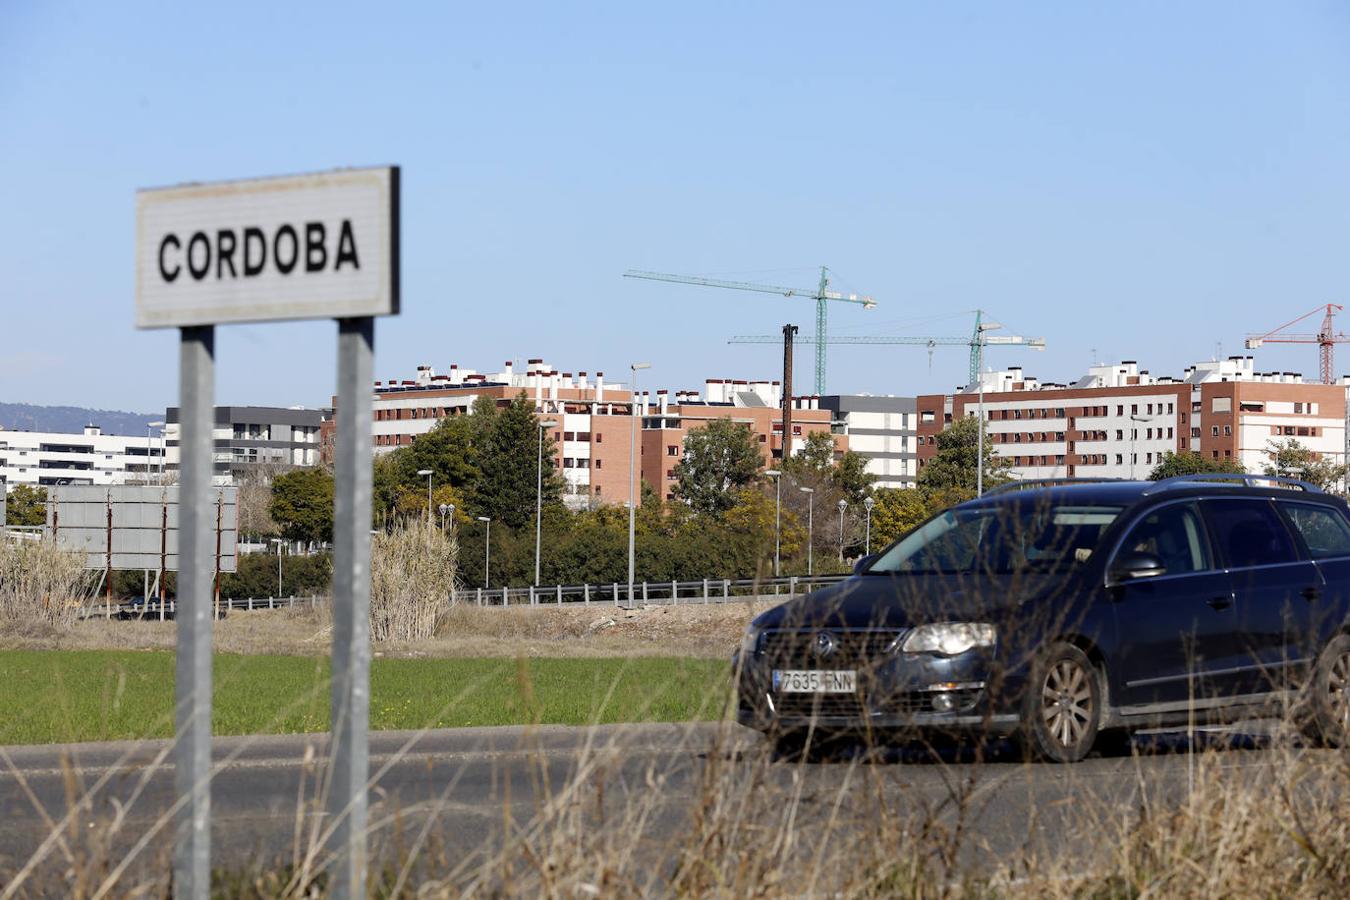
(1250, 533)
(1324, 530)
(1175, 534)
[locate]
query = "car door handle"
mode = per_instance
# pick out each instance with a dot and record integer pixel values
(1220, 602)
(1310, 593)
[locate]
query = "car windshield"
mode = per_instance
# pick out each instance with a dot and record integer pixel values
(1000, 539)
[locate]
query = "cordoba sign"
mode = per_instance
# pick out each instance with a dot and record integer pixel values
(323, 245)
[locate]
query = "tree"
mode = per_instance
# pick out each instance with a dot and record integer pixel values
(850, 475)
(302, 504)
(255, 501)
(1193, 463)
(507, 487)
(1290, 458)
(953, 467)
(846, 471)
(26, 506)
(718, 458)
(897, 510)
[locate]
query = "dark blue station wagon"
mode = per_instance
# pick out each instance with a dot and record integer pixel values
(1066, 614)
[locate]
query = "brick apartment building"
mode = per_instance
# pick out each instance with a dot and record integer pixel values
(593, 417)
(1118, 421)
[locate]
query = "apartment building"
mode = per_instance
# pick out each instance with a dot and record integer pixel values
(883, 429)
(253, 437)
(593, 420)
(1119, 422)
(91, 457)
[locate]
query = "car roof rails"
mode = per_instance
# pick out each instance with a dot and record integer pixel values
(1233, 479)
(1023, 484)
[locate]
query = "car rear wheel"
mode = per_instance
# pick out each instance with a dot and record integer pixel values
(1325, 718)
(1062, 709)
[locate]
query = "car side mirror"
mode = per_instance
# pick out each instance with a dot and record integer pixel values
(1133, 566)
(863, 562)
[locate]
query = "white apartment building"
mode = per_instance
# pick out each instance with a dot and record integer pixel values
(91, 457)
(883, 429)
(1118, 421)
(245, 437)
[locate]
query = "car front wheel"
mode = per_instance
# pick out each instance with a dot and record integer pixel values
(1325, 719)
(1062, 709)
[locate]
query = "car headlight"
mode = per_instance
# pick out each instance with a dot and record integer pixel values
(948, 638)
(749, 642)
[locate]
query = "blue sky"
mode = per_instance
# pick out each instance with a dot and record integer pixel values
(1147, 180)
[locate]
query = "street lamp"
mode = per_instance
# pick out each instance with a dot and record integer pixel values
(868, 503)
(278, 542)
(1134, 433)
(810, 526)
(539, 500)
(148, 426)
(980, 329)
(443, 509)
(487, 551)
(777, 476)
(426, 473)
(843, 505)
(632, 479)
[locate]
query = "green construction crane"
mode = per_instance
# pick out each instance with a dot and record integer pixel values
(821, 295)
(977, 341)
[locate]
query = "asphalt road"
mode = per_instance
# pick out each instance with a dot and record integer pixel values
(475, 788)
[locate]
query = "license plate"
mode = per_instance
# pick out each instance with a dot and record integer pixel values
(791, 681)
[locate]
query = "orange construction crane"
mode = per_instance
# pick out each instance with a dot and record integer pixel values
(1326, 338)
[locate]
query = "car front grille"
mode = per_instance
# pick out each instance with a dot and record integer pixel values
(852, 649)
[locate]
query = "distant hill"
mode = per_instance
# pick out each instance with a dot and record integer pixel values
(27, 417)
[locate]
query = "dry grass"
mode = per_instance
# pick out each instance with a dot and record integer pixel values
(711, 631)
(412, 572)
(41, 585)
(748, 825)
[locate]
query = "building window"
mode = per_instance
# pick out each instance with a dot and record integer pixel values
(1134, 409)
(1169, 409)
(1120, 409)
(1227, 430)
(599, 439)
(672, 450)
(1215, 430)
(1298, 408)
(1120, 459)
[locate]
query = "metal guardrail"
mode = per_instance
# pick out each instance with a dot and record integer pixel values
(665, 593)
(650, 593)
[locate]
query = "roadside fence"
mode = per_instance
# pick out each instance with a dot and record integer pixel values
(645, 593)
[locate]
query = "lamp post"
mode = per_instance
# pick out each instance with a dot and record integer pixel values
(443, 509)
(777, 477)
(1133, 433)
(278, 542)
(868, 503)
(148, 426)
(981, 328)
(539, 500)
(632, 479)
(810, 527)
(843, 505)
(487, 551)
(426, 473)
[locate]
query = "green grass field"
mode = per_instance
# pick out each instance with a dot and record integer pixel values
(68, 696)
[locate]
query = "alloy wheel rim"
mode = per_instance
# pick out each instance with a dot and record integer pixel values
(1066, 702)
(1338, 690)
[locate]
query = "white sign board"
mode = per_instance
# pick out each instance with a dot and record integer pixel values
(140, 521)
(324, 245)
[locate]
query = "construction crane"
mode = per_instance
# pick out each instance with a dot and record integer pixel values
(1326, 339)
(821, 294)
(974, 342)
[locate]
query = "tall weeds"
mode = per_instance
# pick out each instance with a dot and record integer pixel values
(412, 575)
(41, 583)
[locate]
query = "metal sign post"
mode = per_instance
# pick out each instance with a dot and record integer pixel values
(192, 670)
(351, 606)
(321, 245)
